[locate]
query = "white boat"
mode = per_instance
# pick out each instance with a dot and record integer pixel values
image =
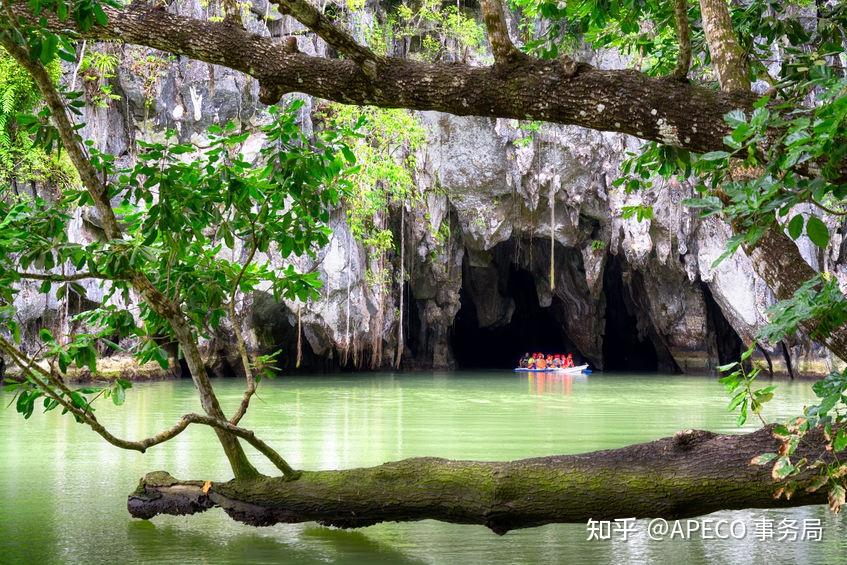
(559, 370)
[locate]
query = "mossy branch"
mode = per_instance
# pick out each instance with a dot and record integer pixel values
(689, 474)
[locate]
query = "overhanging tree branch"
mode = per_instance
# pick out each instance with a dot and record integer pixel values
(625, 101)
(323, 27)
(690, 474)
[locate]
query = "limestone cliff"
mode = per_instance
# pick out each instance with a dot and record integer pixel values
(501, 211)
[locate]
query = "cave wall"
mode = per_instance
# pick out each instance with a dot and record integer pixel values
(502, 200)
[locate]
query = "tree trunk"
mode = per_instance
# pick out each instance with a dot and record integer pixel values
(689, 474)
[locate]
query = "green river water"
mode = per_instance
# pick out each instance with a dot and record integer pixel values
(63, 490)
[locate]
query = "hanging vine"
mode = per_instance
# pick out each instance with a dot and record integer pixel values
(384, 181)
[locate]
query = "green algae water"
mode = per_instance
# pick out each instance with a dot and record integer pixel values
(63, 490)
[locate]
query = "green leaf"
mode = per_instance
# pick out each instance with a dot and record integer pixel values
(782, 468)
(99, 14)
(817, 231)
(840, 441)
(828, 403)
(118, 395)
(763, 458)
(795, 226)
(737, 400)
(742, 416)
(45, 335)
(714, 156)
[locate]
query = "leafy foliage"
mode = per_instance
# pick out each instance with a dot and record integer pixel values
(96, 69)
(189, 215)
(641, 30)
(830, 417)
(22, 160)
(384, 147)
(739, 384)
(819, 300)
(433, 31)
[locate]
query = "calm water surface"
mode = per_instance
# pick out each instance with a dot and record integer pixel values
(63, 490)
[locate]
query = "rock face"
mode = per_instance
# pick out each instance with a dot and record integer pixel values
(516, 242)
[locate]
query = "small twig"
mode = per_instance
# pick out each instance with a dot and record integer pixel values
(825, 208)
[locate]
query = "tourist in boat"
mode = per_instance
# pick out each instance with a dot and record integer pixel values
(530, 363)
(557, 361)
(541, 362)
(569, 360)
(524, 363)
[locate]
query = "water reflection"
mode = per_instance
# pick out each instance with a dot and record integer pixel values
(553, 383)
(63, 490)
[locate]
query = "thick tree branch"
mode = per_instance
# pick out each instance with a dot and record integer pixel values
(728, 58)
(778, 261)
(683, 38)
(625, 101)
(323, 27)
(690, 474)
(502, 48)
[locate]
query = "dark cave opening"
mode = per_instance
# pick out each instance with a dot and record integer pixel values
(278, 334)
(531, 327)
(623, 348)
(727, 343)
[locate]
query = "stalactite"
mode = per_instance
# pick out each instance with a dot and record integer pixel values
(346, 351)
(787, 356)
(552, 238)
(78, 65)
(299, 336)
(399, 354)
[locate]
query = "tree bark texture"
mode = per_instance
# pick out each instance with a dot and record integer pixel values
(689, 474)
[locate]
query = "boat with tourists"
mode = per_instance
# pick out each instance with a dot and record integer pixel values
(577, 370)
(550, 363)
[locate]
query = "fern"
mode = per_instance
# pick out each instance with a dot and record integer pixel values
(7, 102)
(20, 157)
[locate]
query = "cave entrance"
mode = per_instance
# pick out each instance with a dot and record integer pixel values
(727, 343)
(528, 328)
(625, 348)
(277, 332)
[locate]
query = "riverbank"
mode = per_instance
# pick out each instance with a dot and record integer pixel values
(126, 367)
(108, 369)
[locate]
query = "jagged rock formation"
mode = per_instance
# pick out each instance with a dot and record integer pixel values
(500, 215)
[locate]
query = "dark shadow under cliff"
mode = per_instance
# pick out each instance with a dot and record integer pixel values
(529, 328)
